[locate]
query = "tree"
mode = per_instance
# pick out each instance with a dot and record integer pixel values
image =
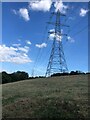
(6, 78)
(16, 76)
(19, 76)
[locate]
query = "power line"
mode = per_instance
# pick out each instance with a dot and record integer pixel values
(74, 35)
(80, 31)
(46, 40)
(43, 39)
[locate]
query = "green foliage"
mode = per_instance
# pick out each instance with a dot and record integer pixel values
(16, 76)
(77, 72)
(21, 75)
(6, 78)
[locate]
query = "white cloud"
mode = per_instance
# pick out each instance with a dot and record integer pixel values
(16, 45)
(70, 39)
(23, 12)
(45, 5)
(83, 12)
(28, 42)
(41, 45)
(19, 40)
(57, 36)
(71, 18)
(17, 55)
(14, 11)
(59, 5)
(40, 5)
(24, 49)
(52, 30)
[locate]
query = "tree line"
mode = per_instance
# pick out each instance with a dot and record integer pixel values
(71, 73)
(21, 75)
(13, 77)
(16, 76)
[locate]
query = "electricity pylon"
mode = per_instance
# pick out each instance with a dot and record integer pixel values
(57, 62)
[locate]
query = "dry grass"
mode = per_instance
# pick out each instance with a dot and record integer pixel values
(56, 97)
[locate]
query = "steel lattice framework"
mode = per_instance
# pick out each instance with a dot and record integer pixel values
(57, 62)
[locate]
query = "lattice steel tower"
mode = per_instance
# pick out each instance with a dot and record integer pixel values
(57, 62)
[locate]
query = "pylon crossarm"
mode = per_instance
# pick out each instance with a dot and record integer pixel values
(52, 23)
(55, 13)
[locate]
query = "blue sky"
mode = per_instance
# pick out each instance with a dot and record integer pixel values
(25, 46)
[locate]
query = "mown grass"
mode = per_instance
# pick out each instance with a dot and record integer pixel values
(57, 97)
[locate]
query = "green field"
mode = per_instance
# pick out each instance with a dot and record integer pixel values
(56, 97)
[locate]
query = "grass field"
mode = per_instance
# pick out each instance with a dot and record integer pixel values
(56, 97)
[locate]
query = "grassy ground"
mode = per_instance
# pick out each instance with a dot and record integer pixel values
(56, 97)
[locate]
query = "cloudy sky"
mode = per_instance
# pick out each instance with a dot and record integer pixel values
(26, 44)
